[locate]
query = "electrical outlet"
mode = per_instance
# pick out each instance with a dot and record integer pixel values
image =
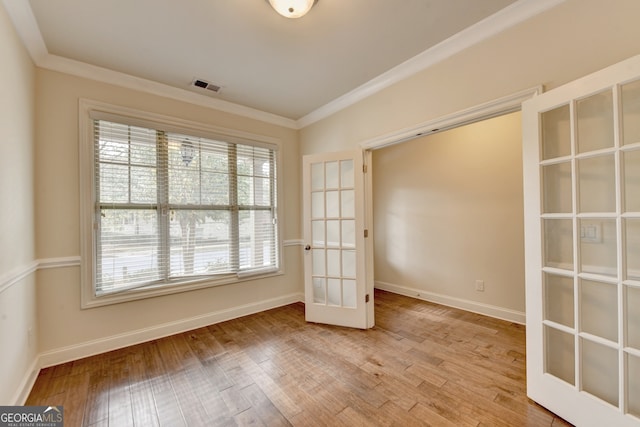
(480, 285)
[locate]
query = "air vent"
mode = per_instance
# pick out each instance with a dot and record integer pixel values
(202, 84)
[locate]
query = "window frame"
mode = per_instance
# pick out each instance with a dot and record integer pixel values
(89, 111)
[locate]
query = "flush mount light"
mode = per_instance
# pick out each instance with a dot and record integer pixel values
(292, 8)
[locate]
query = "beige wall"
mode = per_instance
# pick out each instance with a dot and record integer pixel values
(573, 39)
(63, 324)
(567, 42)
(17, 281)
(448, 210)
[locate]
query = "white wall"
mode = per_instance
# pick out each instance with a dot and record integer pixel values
(17, 262)
(68, 332)
(562, 44)
(448, 210)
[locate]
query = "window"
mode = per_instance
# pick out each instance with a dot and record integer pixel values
(173, 207)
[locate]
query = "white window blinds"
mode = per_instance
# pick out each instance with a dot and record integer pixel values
(172, 207)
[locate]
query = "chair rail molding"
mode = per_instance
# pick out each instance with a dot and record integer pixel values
(18, 274)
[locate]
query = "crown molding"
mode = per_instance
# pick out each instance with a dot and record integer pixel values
(508, 17)
(27, 27)
(104, 75)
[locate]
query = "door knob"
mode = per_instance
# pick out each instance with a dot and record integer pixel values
(307, 248)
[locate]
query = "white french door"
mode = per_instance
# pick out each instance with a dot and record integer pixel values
(582, 237)
(334, 236)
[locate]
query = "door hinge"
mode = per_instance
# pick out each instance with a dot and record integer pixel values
(366, 298)
(364, 168)
(366, 233)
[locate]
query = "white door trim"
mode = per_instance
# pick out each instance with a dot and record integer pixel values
(487, 110)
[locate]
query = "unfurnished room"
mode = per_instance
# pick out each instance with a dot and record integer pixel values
(320, 213)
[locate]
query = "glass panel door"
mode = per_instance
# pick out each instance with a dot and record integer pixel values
(334, 253)
(582, 196)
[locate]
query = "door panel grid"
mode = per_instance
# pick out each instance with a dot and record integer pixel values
(335, 282)
(333, 233)
(588, 221)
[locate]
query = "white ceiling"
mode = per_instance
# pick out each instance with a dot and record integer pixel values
(289, 68)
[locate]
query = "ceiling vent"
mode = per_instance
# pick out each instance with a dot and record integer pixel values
(202, 84)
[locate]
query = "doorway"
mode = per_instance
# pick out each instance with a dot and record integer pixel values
(448, 217)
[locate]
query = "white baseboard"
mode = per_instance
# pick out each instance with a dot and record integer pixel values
(27, 383)
(90, 348)
(463, 304)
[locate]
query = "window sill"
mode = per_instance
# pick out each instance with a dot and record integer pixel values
(151, 291)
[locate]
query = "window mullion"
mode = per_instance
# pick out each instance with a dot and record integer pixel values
(129, 162)
(97, 219)
(273, 203)
(162, 176)
(200, 178)
(234, 256)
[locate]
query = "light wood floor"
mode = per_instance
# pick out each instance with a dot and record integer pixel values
(423, 364)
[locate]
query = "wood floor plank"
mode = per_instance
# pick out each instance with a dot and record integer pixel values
(180, 362)
(97, 399)
(430, 417)
(395, 391)
(315, 411)
(143, 405)
(193, 411)
(322, 350)
(276, 394)
(57, 387)
(422, 364)
(485, 410)
(351, 417)
(120, 410)
(448, 406)
(329, 398)
(536, 415)
(235, 401)
(167, 406)
(204, 345)
(263, 407)
(41, 387)
(74, 402)
(427, 372)
(249, 417)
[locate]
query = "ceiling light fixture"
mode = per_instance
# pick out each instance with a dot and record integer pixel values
(292, 8)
